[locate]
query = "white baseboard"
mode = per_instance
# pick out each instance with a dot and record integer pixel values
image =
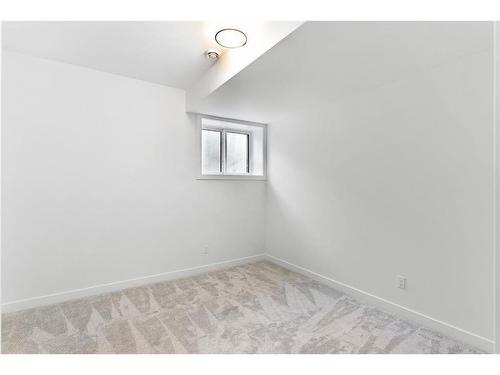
(119, 285)
(393, 308)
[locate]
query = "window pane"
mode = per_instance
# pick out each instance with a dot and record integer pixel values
(210, 152)
(236, 153)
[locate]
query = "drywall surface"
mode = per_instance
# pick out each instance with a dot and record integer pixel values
(1, 27)
(497, 212)
(264, 36)
(396, 180)
(99, 183)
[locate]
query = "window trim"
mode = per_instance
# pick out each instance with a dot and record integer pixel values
(222, 176)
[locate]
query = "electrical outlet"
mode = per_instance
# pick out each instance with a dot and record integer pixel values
(401, 282)
(205, 250)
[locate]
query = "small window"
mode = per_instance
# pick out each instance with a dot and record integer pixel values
(232, 149)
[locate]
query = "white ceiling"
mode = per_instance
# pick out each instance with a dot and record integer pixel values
(317, 60)
(323, 61)
(168, 53)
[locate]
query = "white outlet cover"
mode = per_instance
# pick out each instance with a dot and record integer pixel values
(401, 282)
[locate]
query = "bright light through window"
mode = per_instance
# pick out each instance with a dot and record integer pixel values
(211, 157)
(237, 161)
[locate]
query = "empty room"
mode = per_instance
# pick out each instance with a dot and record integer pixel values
(233, 188)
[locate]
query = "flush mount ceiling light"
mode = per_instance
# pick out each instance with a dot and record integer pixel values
(231, 38)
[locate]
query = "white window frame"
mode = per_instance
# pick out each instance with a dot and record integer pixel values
(222, 175)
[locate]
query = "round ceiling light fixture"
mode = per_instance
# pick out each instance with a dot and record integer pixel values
(231, 38)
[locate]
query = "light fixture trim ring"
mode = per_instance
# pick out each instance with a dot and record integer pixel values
(231, 29)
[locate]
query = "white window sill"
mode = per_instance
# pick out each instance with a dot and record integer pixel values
(231, 177)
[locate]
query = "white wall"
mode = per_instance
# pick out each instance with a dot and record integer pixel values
(397, 180)
(1, 51)
(99, 183)
(497, 124)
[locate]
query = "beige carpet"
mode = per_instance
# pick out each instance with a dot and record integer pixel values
(255, 308)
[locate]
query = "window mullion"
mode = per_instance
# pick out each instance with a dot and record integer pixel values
(223, 151)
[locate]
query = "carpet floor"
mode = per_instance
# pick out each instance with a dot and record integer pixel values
(254, 308)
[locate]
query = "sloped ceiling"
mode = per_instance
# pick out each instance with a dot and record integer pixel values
(325, 61)
(300, 64)
(164, 52)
